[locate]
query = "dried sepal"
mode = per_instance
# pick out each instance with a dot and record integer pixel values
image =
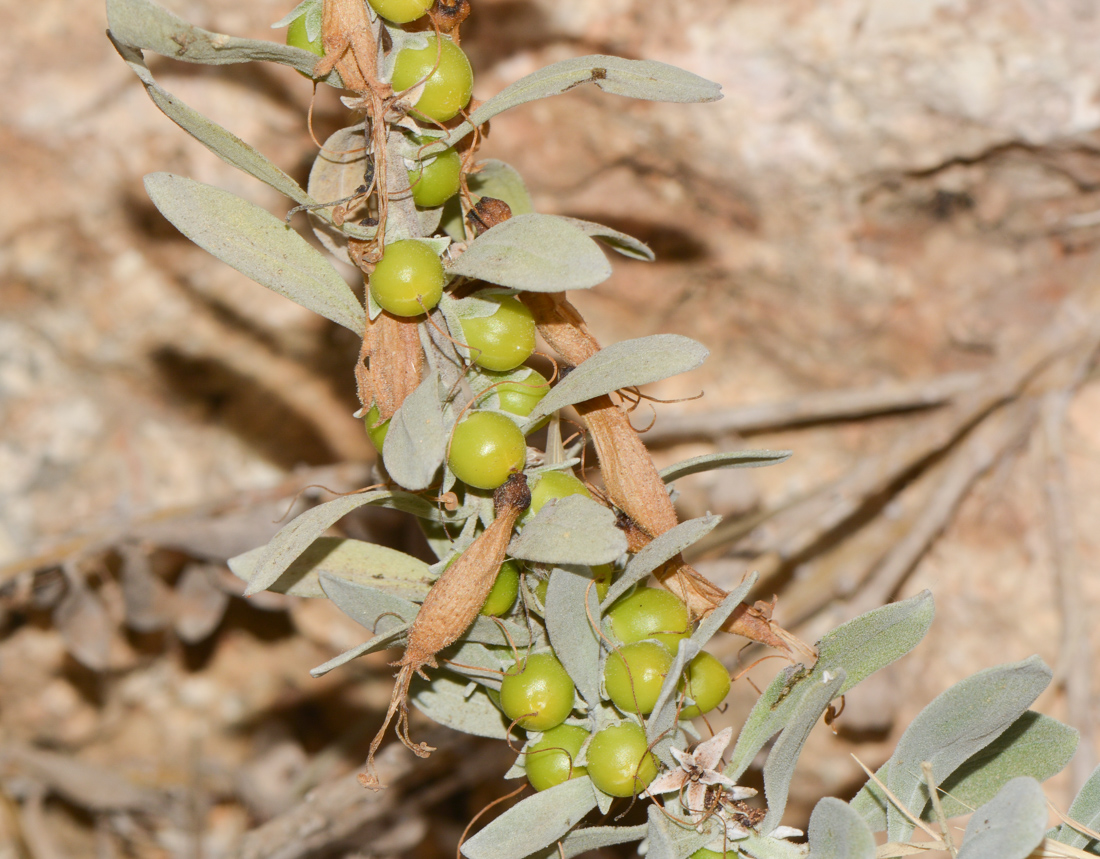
(396, 362)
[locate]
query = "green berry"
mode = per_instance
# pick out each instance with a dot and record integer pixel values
(409, 275)
(552, 485)
(634, 675)
(650, 613)
(706, 682)
(401, 11)
(297, 37)
(437, 180)
(538, 694)
(486, 447)
(549, 762)
(519, 397)
(447, 89)
(505, 590)
(619, 761)
(504, 340)
(376, 431)
(703, 853)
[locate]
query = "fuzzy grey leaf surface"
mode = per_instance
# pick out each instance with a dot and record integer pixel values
(1035, 745)
(837, 832)
(643, 79)
(570, 530)
(257, 244)
(227, 146)
(497, 632)
(783, 757)
(663, 547)
(1086, 811)
(536, 253)
(763, 847)
(709, 625)
(732, 459)
(537, 822)
(622, 365)
(444, 701)
(659, 730)
(667, 840)
(622, 243)
(149, 27)
(367, 606)
(337, 173)
(1010, 825)
(571, 634)
(960, 722)
(382, 641)
(293, 539)
(593, 838)
(417, 441)
(352, 560)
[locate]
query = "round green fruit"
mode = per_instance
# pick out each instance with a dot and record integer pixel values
(436, 181)
(703, 853)
(538, 694)
(486, 448)
(297, 37)
(650, 613)
(401, 11)
(552, 485)
(504, 340)
(519, 397)
(505, 590)
(707, 682)
(409, 278)
(619, 761)
(634, 674)
(447, 89)
(549, 762)
(376, 431)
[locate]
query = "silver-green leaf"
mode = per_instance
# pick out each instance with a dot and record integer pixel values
(537, 822)
(495, 179)
(445, 701)
(536, 253)
(622, 243)
(569, 530)
(417, 440)
(570, 602)
(1085, 811)
(626, 364)
(257, 244)
(731, 459)
(1010, 825)
(663, 547)
(837, 832)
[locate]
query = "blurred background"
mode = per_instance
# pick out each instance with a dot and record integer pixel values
(886, 233)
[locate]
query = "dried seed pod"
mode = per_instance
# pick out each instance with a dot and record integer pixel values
(451, 606)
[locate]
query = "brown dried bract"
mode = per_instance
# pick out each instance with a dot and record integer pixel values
(449, 609)
(487, 213)
(349, 42)
(446, 15)
(396, 361)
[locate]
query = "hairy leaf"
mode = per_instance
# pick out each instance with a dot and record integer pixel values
(145, 25)
(353, 560)
(257, 244)
(1085, 810)
(643, 79)
(628, 246)
(668, 840)
(622, 365)
(367, 606)
(1010, 825)
(445, 701)
(536, 253)
(837, 832)
(417, 440)
(537, 822)
(570, 530)
(592, 838)
(659, 727)
(732, 459)
(382, 641)
(570, 601)
(666, 546)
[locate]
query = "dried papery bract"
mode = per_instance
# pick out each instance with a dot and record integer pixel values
(449, 609)
(396, 361)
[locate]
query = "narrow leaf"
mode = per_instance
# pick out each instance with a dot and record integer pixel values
(1010, 825)
(417, 441)
(367, 606)
(593, 838)
(709, 625)
(783, 757)
(1085, 810)
(445, 701)
(293, 539)
(1035, 745)
(643, 79)
(732, 459)
(537, 822)
(536, 253)
(628, 246)
(382, 641)
(145, 25)
(623, 365)
(568, 531)
(837, 832)
(352, 560)
(257, 244)
(663, 718)
(669, 840)
(570, 601)
(666, 546)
